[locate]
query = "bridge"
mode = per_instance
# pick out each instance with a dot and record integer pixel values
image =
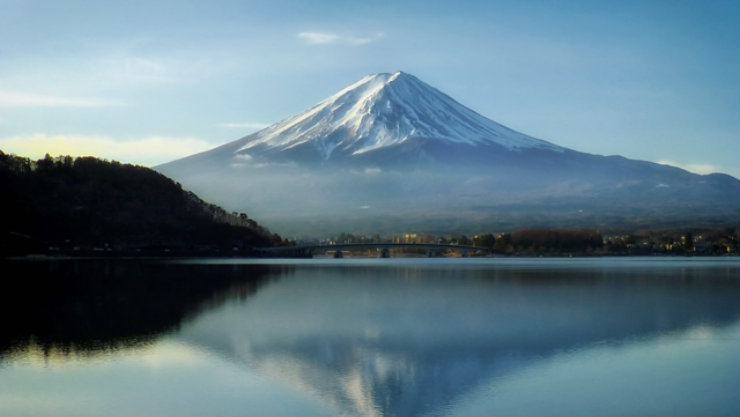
(383, 249)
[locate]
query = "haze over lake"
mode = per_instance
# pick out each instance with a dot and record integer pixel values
(365, 337)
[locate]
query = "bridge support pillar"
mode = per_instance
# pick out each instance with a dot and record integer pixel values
(385, 253)
(338, 254)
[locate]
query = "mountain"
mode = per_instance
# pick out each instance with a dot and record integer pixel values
(81, 205)
(379, 115)
(391, 153)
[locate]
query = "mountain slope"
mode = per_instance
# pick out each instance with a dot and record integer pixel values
(391, 153)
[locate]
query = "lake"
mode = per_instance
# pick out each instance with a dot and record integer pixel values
(371, 337)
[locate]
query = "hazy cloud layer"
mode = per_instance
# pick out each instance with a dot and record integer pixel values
(25, 99)
(170, 67)
(150, 150)
(695, 168)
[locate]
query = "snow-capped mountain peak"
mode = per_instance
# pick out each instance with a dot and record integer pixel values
(382, 110)
(389, 153)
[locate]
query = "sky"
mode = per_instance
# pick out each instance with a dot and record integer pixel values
(150, 81)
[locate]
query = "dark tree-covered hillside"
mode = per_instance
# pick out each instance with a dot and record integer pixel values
(86, 204)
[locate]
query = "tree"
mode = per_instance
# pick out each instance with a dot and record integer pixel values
(485, 241)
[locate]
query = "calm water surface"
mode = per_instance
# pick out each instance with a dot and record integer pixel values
(372, 337)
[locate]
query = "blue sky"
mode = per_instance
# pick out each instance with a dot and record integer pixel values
(150, 81)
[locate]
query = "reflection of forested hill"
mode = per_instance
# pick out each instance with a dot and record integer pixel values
(90, 305)
(85, 204)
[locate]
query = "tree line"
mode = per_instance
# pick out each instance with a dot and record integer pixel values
(579, 242)
(86, 204)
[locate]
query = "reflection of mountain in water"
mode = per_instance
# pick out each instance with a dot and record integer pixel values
(408, 341)
(90, 305)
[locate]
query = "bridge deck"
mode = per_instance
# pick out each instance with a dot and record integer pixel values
(309, 250)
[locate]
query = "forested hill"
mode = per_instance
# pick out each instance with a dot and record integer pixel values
(87, 205)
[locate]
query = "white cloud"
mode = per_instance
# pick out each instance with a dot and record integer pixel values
(245, 125)
(318, 38)
(695, 168)
(136, 69)
(161, 70)
(702, 168)
(244, 157)
(23, 99)
(326, 38)
(149, 151)
(128, 64)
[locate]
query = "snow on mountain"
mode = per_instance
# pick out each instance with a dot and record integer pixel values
(383, 110)
(391, 153)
